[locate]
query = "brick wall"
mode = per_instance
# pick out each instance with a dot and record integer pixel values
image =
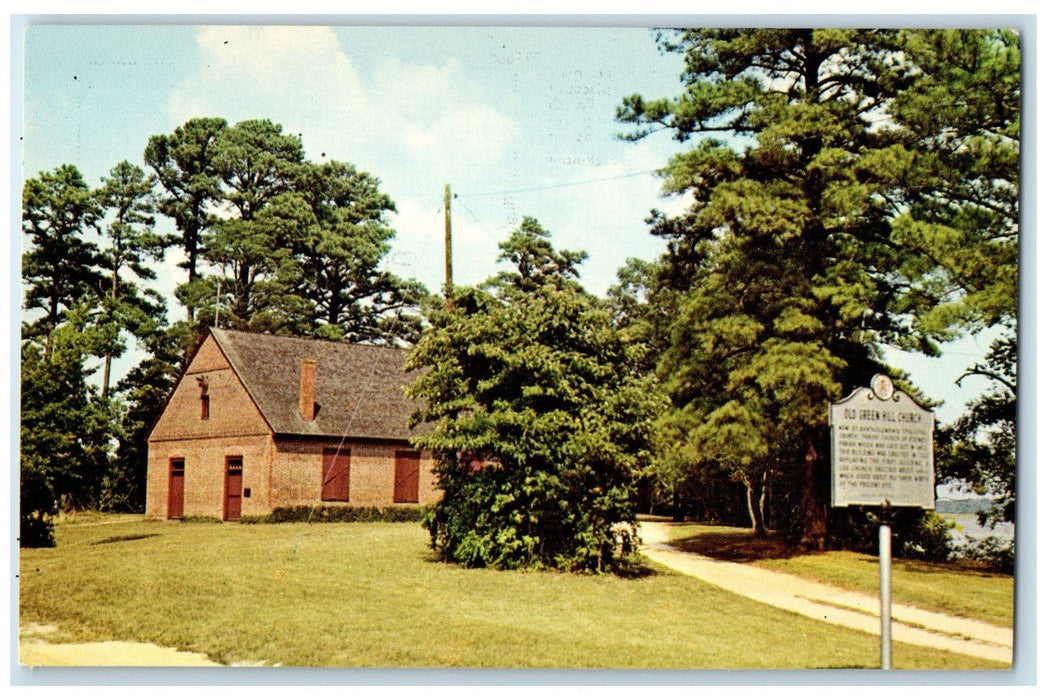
(427, 490)
(205, 461)
(298, 466)
(234, 427)
(232, 412)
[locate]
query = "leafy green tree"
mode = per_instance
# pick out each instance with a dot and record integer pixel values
(963, 114)
(344, 236)
(959, 209)
(535, 262)
(540, 429)
(256, 161)
(65, 429)
(979, 450)
(144, 391)
(793, 258)
(184, 165)
(644, 305)
(303, 254)
(126, 196)
(60, 265)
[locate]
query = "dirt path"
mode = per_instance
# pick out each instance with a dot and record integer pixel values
(34, 649)
(837, 606)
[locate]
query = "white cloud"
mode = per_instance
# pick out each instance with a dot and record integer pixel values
(477, 136)
(411, 89)
(442, 115)
(292, 74)
(428, 115)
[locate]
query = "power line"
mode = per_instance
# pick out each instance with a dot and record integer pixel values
(558, 186)
(488, 231)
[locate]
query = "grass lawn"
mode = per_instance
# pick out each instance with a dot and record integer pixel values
(958, 589)
(370, 595)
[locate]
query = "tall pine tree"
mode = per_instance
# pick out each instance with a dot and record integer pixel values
(126, 200)
(183, 162)
(60, 265)
(791, 259)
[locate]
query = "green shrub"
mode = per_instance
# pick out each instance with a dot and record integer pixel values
(36, 530)
(541, 424)
(995, 552)
(337, 514)
(927, 538)
(915, 533)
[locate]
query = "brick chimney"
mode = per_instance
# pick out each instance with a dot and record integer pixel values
(307, 394)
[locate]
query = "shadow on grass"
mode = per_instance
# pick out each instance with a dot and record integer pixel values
(124, 538)
(634, 570)
(738, 546)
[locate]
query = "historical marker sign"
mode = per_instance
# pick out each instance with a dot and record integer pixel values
(882, 448)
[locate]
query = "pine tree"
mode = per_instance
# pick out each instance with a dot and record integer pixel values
(59, 267)
(344, 240)
(792, 261)
(184, 165)
(126, 197)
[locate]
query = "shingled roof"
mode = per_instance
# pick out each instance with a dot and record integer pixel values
(359, 388)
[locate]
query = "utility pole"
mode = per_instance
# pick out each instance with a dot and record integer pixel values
(448, 278)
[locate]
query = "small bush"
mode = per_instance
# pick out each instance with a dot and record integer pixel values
(36, 530)
(994, 552)
(338, 514)
(915, 533)
(927, 538)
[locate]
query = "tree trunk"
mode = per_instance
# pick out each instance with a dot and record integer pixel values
(191, 236)
(754, 501)
(765, 495)
(105, 374)
(52, 323)
(109, 355)
(814, 505)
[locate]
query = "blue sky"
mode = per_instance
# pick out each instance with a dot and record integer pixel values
(510, 118)
(519, 121)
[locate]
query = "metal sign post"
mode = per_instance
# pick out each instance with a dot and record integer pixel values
(882, 456)
(885, 586)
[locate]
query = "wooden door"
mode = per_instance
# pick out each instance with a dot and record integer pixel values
(335, 475)
(176, 489)
(405, 483)
(234, 487)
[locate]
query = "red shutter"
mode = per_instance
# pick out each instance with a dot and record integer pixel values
(405, 488)
(335, 475)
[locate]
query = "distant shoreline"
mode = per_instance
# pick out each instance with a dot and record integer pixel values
(954, 506)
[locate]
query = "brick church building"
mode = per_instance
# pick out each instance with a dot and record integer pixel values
(260, 421)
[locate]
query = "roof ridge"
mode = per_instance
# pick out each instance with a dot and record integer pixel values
(305, 339)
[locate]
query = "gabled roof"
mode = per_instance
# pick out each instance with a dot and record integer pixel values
(359, 388)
